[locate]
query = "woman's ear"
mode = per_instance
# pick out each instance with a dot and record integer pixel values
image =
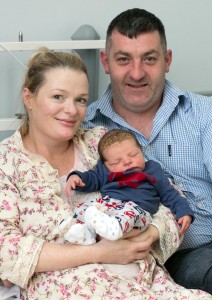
(104, 61)
(27, 97)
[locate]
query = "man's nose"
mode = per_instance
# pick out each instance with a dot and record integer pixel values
(137, 70)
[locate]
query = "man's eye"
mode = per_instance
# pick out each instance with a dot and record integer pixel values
(150, 59)
(123, 59)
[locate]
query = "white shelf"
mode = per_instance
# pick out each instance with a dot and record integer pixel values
(82, 44)
(9, 124)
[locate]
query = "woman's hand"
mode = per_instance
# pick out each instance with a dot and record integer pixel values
(151, 233)
(7, 283)
(133, 246)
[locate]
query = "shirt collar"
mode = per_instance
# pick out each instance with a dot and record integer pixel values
(174, 96)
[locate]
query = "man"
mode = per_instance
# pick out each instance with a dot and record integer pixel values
(172, 126)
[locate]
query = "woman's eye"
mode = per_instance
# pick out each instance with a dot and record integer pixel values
(58, 97)
(81, 101)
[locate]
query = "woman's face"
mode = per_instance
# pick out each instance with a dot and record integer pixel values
(59, 107)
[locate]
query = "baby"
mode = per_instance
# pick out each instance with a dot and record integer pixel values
(131, 190)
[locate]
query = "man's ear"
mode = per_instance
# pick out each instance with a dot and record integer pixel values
(168, 60)
(27, 97)
(104, 61)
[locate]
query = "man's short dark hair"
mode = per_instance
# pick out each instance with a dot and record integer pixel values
(133, 22)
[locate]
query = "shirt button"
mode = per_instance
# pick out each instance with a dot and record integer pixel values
(148, 148)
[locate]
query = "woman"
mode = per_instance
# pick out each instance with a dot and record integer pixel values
(33, 167)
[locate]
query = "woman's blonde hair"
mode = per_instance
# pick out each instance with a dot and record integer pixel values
(39, 64)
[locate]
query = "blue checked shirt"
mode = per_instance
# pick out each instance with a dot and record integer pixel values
(181, 141)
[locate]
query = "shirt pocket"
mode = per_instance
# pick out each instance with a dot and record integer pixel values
(182, 159)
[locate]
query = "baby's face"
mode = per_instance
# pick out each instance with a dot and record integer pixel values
(123, 156)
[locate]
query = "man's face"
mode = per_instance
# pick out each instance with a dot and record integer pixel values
(137, 69)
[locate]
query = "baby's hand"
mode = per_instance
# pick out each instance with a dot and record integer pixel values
(73, 181)
(185, 222)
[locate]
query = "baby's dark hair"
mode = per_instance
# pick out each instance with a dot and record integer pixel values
(112, 137)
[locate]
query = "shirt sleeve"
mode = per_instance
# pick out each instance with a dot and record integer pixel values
(18, 253)
(206, 134)
(169, 196)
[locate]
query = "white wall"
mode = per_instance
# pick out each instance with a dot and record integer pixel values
(188, 26)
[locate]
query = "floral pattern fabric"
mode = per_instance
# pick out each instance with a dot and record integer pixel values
(31, 208)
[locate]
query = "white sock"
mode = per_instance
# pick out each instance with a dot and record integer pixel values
(64, 223)
(80, 234)
(106, 226)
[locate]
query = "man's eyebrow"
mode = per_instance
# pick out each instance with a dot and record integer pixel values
(122, 53)
(152, 51)
(149, 52)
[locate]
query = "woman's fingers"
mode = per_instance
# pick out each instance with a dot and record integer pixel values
(7, 283)
(123, 251)
(150, 231)
(132, 233)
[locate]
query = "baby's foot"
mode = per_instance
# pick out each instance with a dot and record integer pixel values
(106, 226)
(80, 234)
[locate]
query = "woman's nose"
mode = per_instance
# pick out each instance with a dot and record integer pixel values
(70, 107)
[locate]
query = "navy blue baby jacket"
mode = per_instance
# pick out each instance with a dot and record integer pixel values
(146, 188)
